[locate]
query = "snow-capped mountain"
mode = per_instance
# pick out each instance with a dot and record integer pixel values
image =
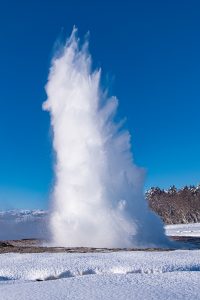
(23, 215)
(22, 224)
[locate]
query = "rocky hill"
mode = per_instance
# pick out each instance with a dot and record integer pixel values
(174, 205)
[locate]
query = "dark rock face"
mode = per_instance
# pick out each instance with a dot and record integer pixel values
(176, 206)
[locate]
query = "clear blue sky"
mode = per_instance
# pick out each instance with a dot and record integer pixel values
(150, 55)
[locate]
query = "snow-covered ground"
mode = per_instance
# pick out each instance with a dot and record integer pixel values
(117, 275)
(183, 230)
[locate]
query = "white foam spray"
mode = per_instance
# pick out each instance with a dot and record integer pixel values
(98, 195)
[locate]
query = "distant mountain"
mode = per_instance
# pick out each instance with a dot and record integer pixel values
(23, 215)
(22, 224)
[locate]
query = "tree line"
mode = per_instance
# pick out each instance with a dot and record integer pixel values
(175, 206)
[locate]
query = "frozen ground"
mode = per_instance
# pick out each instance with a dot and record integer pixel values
(117, 275)
(183, 230)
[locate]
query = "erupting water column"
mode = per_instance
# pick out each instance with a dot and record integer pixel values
(98, 195)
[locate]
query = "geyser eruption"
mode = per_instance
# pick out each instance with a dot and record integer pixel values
(98, 195)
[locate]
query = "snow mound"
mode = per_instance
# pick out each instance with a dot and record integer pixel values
(119, 275)
(41, 267)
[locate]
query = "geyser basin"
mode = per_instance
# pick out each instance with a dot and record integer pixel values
(98, 195)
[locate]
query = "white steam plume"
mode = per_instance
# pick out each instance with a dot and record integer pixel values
(98, 195)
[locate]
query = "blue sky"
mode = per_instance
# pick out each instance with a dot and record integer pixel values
(150, 55)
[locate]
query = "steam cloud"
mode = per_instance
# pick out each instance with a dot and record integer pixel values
(98, 195)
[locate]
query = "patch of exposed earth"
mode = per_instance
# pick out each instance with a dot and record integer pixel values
(40, 246)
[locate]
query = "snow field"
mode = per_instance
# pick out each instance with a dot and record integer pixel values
(117, 275)
(183, 230)
(47, 266)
